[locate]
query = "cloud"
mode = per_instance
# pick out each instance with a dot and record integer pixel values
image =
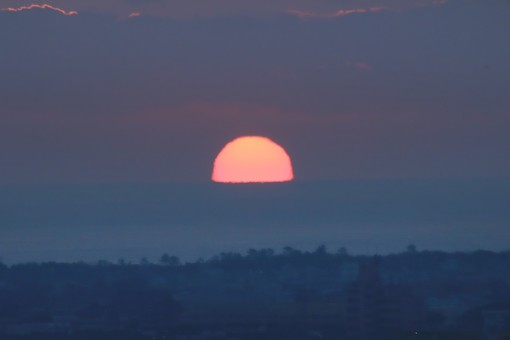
(359, 65)
(246, 8)
(339, 13)
(38, 6)
(381, 6)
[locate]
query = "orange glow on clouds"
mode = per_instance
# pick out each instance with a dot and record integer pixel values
(252, 159)
(339, 13)
(359, 65)
(42, 6)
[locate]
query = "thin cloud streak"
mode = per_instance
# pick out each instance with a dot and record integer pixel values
(40, 6)
(359, 65)
(190, 9)
(344, 12)
(339, 13)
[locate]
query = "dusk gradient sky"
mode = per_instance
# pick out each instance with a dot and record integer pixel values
(147, 92)
(418, 90)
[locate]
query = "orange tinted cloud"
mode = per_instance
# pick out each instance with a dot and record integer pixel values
(41, 6)
(206, 8)
(339, 13)
(305, 14)
(359, 65)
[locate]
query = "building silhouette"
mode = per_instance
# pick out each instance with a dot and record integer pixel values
(375, 310)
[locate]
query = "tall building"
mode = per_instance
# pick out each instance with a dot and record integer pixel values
(378, 311)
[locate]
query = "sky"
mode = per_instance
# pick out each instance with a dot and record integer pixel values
(416, 90)
(192, 220)
(146, 92)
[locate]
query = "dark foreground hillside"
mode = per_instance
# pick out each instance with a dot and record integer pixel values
(262, 295)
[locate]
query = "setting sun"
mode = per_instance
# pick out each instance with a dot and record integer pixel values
(252, 159)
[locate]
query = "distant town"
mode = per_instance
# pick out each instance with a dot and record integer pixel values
(263, 294)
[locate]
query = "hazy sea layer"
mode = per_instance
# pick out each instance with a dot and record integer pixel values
(192, 220)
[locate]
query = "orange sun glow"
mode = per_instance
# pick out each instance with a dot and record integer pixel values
(252, 159)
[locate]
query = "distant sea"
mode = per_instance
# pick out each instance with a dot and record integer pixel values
(198, 220)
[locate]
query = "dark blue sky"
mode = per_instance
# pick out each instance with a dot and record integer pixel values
(98, 105)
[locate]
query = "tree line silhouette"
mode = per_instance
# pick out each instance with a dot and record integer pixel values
(285, 294)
